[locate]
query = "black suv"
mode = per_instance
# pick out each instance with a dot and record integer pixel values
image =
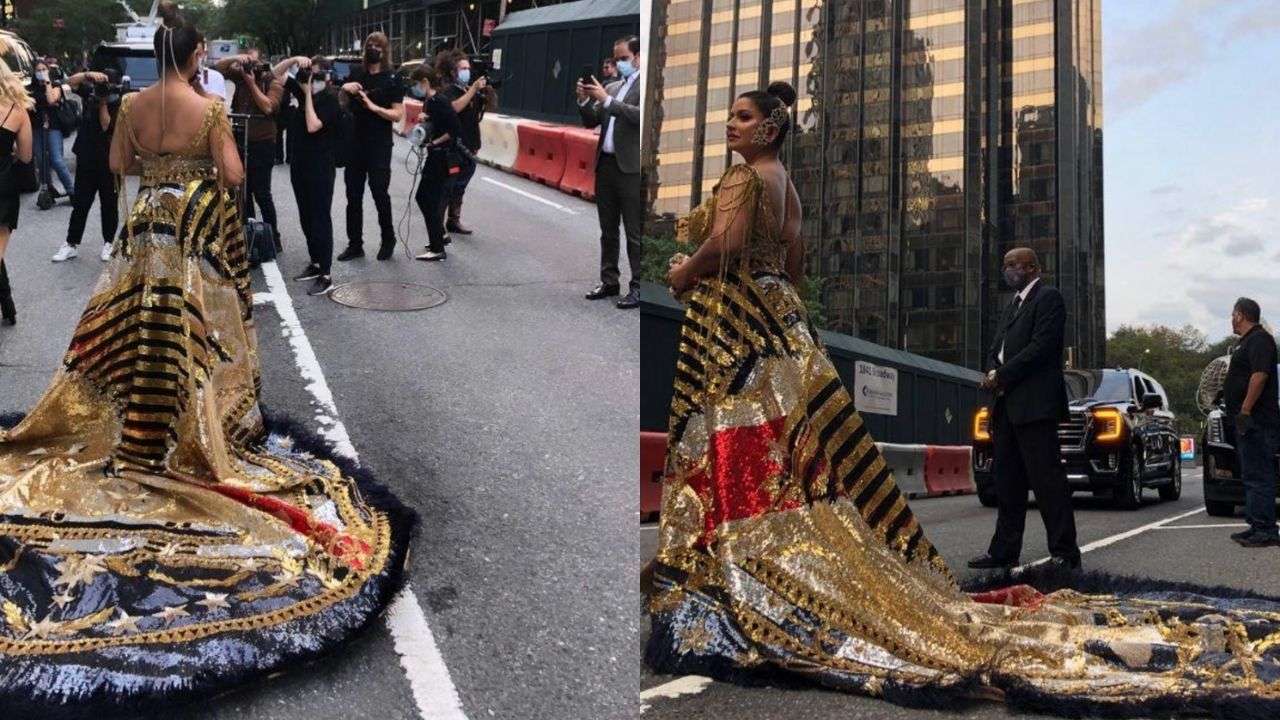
(1223, 491)
(1120, 439)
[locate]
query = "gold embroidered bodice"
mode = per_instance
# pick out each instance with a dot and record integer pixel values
(190, 163)
(740, 190)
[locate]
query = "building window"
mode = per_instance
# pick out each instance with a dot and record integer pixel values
(945, 297)
(1039, 226)
(919, 298)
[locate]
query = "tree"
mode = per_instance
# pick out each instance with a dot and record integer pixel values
(70, 29)
(1176, 358)
(285, 26)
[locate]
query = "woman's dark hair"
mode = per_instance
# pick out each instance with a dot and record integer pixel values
(778, 96)
(176, 41)
(447, 63)
(426, 72)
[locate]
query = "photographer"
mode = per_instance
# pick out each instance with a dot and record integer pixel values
(257, 93)
(443, 163)
(48, 95)
(468, 100)
(375, 98)
(101, 94)
(314, 129)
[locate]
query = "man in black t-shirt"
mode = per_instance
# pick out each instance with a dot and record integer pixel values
(313, 130)
(376, 101)
(468, 100)
(1253, 401)
(101, 97)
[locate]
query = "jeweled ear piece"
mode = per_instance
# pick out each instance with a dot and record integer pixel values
(761, 135)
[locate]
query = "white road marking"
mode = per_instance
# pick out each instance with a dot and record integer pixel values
(1198, 527)
(429, 680)
(529, 195)
(687, 685)
(1111, 540)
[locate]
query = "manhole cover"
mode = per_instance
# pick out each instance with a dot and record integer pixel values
(387, 296)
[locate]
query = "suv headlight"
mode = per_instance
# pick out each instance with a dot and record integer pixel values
(1108, 424)
(1214, 429)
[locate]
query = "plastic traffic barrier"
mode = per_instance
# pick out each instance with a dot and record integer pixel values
(653, 453)
(499, 141)
(907, 462)
(580, 162)
(948, 470)
(541, 152)
(412, 113)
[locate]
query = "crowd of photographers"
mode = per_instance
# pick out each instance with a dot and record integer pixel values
(295, 110)
(299, 110)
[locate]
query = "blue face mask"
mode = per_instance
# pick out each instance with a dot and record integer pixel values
(464, 76)
(626, 69)
(417, 91)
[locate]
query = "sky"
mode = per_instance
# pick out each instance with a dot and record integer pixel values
(1191, 143)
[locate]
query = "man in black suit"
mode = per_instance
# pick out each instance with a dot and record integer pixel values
(1031, 399)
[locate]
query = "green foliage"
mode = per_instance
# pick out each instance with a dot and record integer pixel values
(658, 249)
(1174, 357)
(294, 27)
(83, 24)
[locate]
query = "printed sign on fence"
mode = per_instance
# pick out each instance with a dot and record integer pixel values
(875, 389)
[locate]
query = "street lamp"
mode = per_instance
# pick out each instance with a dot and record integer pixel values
(1143, 359)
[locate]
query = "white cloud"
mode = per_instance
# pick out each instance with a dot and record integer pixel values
(1169, 189)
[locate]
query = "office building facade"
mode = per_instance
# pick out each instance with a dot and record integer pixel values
(930, 137)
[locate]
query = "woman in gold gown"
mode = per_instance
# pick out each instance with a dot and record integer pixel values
(156, 541)
(785, 547)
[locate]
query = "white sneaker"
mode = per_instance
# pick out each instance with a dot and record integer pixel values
(106, 252)
(65, 253)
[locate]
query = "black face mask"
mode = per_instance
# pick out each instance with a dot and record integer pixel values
(372, 55)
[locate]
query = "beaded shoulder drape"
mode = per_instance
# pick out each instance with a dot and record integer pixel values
(786, 547)
(156, 540)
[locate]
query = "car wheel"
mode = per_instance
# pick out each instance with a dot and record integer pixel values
(1128, 495)
(1219, 509)
(1173, 489)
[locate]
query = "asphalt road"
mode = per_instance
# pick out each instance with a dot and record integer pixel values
(506, 417)
(1181, 550)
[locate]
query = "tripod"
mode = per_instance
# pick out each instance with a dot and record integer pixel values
(44, 200)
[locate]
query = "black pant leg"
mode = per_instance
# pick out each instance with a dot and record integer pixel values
(609, 209)
(261, 162)
(431, 197)
(86, 188)
(629, 195)
(354, 177)
(321, 196)
(6, 293)
(379, 187)
(1011, 490)
(301, 194)
(1038, 443)
(109, 204)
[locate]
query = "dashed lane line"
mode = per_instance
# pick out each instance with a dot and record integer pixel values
(687, 685)
(429, 680)
(1201, 527)
(1113, 539)
(530, 195)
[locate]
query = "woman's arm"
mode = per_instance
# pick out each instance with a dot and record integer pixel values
(222, 148)
(730, 228)
(314, 124)
(791, 234)
(25, 147)
(122, 156)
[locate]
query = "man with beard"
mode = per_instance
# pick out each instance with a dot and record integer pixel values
(376, 102)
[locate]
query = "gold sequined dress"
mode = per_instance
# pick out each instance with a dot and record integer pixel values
(158, 539)
(786, 548)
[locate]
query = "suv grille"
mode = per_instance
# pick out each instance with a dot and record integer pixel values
(1072, 433)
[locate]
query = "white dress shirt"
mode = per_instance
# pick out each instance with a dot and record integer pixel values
(1022, 297)
(607, 146)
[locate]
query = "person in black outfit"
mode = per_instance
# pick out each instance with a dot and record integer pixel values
(376, 101)
(92, 145)
(258, 92)
(468, 99)
(442, 164)
(1030, 401)
(1251, 394)
(17, 143)
(312, 131)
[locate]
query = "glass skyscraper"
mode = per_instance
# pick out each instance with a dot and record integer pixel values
(930, 137)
